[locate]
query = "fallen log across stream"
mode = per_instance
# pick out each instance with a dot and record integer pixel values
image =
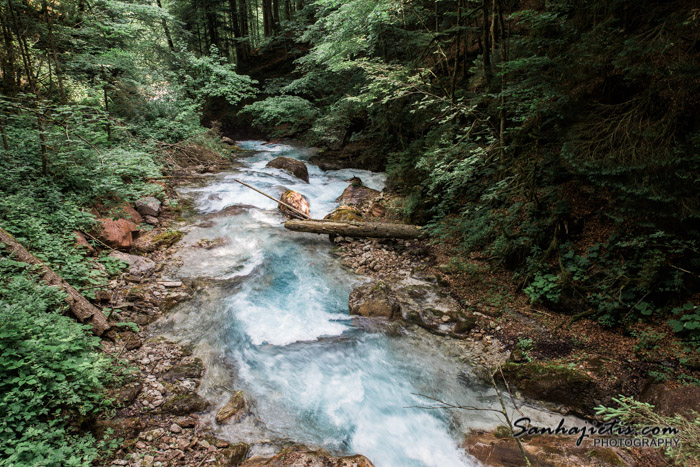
(83, 310)
(355, 229)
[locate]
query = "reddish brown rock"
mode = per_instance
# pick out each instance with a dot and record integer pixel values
(125, 211)
(297, 201)
(81, 242)
(118, 234)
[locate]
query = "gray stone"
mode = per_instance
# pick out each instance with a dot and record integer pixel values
(413, 300)
(148, 206)
(151, 220)
(138, 265)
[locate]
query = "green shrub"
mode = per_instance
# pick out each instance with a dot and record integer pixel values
(296, 112)
(52, 375)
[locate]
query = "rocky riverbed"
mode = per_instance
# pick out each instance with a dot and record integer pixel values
(165, 420)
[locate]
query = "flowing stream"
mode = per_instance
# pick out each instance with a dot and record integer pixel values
(273, 321)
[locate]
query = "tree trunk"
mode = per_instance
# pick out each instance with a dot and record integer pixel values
(275, 15)
(355, 229)
(288, 9)
(42, 144)
(81, 309)
(5, 144)
(8, 59)
(166, 29)
(52, 43)
(268, 25)
(245, 29)
(486, 46)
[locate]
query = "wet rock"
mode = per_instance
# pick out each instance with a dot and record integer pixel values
(139, 266)
(228, 141)
(188, 370)
(358, 196)
(423, 303)
(669, 401)
(494, 450)
(293, 166)
(297, 201)
(301, 456)
(167, 239)
(148, 206)
(235, 408)
(233, 455)
(208, 244)
(81, 242)
(184, 404)
(373, 300)
(573, 389)
(118, 234)
(344, 214)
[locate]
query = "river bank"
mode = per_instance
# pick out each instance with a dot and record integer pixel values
(161, 414)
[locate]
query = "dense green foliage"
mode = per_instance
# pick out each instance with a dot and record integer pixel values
(561, 140)
(90, 94)
(52, 374)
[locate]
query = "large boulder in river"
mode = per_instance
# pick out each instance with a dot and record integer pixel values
(301, 456)
(413, 300)
(295, 200)
(358, 196)
(293, 166)
(148, 206)
(373, 300)
(118, 234)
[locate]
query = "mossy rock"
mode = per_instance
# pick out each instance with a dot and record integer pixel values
(552, 383)
(344, 214)
(233, 455)
(502, 432)
(167, 239)
(191, 370)
(184, 404)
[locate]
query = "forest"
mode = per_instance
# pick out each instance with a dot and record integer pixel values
(549, 150)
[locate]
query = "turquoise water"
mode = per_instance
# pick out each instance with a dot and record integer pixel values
(279, 319)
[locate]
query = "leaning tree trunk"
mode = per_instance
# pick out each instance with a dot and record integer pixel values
(83, 310)
(355, 229)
